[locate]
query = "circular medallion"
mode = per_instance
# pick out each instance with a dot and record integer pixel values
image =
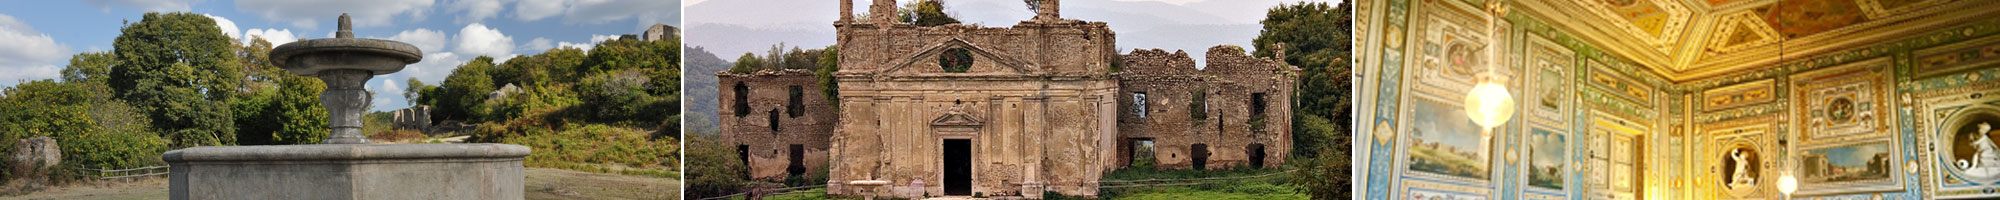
(1972, 152)
(1741, 169)
(1394, 38)
(1461, 58)
(1840, 109)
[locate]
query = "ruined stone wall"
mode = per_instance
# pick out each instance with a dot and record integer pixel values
(769, 149)
(413, 118)
(1068, 46)
(1036, 105)
(1228, 129)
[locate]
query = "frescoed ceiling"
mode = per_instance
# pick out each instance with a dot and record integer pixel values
(1692, 39)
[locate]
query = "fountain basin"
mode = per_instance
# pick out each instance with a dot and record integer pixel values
(348, 171)
(309, 57)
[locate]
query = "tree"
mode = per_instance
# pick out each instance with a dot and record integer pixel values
(92, 67)
(180, 70)
(747, 63)
(925, 13)
(290, 115)
(255, 58)
(462, 93)
(618, 96)
(415, 90)
(1315, 36)
(91, 132)
(718, 172)
(829, 62)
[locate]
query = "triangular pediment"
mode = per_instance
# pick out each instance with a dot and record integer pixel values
(956, 118)
(984, 61)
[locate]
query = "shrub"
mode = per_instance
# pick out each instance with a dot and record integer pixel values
(720, 173)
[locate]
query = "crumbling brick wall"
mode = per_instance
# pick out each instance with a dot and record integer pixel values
(768, 146)
(1229, 88)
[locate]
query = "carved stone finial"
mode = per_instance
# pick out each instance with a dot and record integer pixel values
(882, 12)
(1049, 10)
(346, 27)
(846, 11)
(1278, 49)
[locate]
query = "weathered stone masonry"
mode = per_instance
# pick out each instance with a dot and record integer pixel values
(1247, 120)
(1039, 106)
(780, 126)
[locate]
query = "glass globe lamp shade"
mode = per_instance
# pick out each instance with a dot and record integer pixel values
(1787, 184)
(1489, 104)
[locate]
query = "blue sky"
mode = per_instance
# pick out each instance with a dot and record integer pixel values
(37, 38)
(1852, 156)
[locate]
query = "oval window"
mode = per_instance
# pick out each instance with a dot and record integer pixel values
(955, 60)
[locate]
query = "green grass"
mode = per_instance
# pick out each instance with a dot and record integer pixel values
(1266, 187)
(813, 194)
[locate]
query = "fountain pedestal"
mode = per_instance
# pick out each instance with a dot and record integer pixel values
(345, 166)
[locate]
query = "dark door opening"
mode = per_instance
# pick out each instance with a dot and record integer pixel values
(957, 167)
(1256, 155)
(1200, 154)
(743, 155)
(798, 166)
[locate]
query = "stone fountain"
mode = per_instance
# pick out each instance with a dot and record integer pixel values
(345, 166)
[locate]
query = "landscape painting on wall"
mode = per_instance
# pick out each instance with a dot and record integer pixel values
(1445, 142)
(1861, 162)
(1546, 159)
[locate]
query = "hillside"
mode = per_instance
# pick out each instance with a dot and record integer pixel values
(700, 84)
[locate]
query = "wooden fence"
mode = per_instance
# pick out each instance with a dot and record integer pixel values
(122, 174)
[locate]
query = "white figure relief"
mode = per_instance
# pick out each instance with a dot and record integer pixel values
(1987, 162)
(1742, 176)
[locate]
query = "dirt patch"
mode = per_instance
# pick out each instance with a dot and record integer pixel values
(541, 183)
(546, 183)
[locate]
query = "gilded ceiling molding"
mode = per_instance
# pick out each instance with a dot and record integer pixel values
(1863, 34)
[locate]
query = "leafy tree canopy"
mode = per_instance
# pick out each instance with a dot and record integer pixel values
(180, 70)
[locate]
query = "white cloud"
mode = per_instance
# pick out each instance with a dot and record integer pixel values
(26, 53)
(600, 11)
(379, 103)
(476, 10)
(144, 5)
(536, 10)
(275, 36)
(308, 13)
(647, 12)
(477, 40)
(18, 74)
(503, 59)
(228, 27)
(388, 86)
(424, 39)
(584, 46)
(433, 68)
(540, 44)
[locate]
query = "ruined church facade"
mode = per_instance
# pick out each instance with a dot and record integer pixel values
(1046, 105)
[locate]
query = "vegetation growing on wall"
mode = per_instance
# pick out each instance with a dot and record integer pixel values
(1316, 38)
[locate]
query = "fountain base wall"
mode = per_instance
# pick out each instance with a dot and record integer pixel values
(348, 171)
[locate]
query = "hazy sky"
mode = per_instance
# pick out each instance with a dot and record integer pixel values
(729, 28)
(37, 38)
